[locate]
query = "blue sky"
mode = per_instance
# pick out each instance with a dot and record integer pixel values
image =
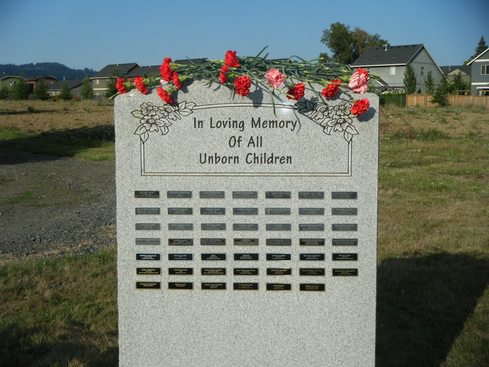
(92, 33)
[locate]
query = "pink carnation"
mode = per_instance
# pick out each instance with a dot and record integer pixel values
(274, 78)
(358, 81)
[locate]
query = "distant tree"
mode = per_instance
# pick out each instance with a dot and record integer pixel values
(362, 40)
(347, 45)
(86, 91)
(338, 39)
(112, 90)
(20, 90)
(324, 58)
(65, 92)
(4, 92)
(481, 47)
(410, 80)
(45, 68)
(441, 93)
(429, 83)
(457, 84)
(41, 91)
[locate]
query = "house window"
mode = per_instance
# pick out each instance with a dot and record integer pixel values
(392, 70)
(97, 81)
(484, 69)
(422, 70)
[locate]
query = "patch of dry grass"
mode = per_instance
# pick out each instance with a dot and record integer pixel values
(83, 130)
(35, 117)
(454, 122)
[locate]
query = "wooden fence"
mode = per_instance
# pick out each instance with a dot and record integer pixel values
(461, 101)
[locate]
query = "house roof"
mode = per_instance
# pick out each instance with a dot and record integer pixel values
(132, 70)
(475, 58)
(12, 76)
(448, 69)
(42, 77)
(190, 61)
(71, 84)
(112, 69)
(388, 55)
(154, 70)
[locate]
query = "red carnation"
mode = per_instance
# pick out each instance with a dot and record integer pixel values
(231, 59)
(165, 69)
(222, 75)
(139, 83)
(242, 85)
(176, 80)
(330, 91)
(360, 107)
(119, 84)
(362, 71)
(296, 92)
(164, 95)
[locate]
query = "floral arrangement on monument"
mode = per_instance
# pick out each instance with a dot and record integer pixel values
(284, 78)
(281, 78)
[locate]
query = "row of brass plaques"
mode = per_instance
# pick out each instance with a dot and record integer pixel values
(247, 271)
(318, 287)
(249, 257)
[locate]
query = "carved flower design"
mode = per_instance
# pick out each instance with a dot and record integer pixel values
(334, 118)
(158, 119)
(320, 112)
(339, 118)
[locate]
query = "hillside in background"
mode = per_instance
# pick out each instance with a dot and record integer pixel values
(55, 69)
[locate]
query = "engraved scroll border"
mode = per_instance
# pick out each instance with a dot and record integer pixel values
(158, 119)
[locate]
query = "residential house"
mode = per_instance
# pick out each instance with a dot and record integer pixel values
(144, 71)
(479, 73)
(73, 85)
(100, 81)
(154, 70)
(462, 70)
(8, 81)
(48, 80)
(389, 63)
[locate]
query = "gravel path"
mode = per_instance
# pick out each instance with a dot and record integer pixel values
(52, 205)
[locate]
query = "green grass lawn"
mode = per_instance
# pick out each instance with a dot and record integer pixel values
(59, 312)
(433, 265)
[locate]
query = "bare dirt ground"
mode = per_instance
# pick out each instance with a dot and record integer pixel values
(54, 205)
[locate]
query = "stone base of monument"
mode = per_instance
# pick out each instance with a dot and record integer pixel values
(246, 230)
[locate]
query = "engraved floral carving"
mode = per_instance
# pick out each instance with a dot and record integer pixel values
(332, 118)
(158, 119)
